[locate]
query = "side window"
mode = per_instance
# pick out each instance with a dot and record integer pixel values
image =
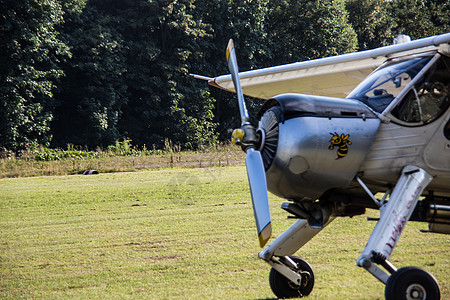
(433, 99)
(429, 98)
(408, 109)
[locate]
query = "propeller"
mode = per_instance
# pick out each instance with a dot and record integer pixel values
(247, 137)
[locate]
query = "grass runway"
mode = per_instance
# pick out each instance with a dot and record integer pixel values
(174, 234)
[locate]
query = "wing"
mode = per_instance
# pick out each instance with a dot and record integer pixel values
(325, 77)
(331, 76)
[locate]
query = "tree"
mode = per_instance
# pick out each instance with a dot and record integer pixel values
(244, 22)
(163, 45)
(128, 75)
(304, 30)
(439, 16)
(420, 18)
(372, 22)
(378, 22)
(30, 51)
(91, 95)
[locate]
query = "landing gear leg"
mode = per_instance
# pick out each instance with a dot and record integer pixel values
(405, 283)
(292, 276)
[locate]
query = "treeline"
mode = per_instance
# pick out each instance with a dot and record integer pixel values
(90, 72)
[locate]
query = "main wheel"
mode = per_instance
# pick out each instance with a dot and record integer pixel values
(284, 288)
(412, 283)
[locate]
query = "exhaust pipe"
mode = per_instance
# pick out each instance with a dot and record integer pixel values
(437, 216)
(440, 219)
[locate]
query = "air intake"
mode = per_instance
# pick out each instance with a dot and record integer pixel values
(268, 129)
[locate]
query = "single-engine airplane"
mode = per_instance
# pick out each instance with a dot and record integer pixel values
(381, 125)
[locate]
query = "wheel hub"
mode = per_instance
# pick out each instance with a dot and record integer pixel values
(416, 292)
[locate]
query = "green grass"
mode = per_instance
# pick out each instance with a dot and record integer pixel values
(172, 234)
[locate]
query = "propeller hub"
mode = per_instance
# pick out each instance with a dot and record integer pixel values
(247, 137)
(237, 136)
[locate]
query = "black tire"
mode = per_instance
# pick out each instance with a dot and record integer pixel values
(283, 288)
(411, 283)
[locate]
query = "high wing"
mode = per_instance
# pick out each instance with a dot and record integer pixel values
(331, 76)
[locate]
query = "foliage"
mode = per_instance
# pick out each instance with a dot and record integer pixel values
(377, 21)
(92, 72)
(244, 22)
(371, 21)
(36, 152)
(419, 18)
(308, 29)
(30, 51)
(91, 95)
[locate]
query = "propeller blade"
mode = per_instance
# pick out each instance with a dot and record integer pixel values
(234, 70)
(255, 166)
(258, 189)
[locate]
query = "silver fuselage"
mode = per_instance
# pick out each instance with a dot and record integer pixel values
(396, 146)
(324, 143)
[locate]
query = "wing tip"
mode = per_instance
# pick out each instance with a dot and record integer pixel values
(201, 77)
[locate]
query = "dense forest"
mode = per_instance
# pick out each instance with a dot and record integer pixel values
(90, 72)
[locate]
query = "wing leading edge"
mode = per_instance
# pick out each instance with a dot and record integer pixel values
(331, 76)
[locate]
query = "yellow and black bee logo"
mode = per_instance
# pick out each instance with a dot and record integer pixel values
(341, 143)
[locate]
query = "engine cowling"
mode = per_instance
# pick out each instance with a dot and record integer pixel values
(311, 144)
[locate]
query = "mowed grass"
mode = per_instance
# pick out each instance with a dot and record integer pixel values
(174, 234)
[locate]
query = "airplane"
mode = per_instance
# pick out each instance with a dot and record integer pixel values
(334, 132)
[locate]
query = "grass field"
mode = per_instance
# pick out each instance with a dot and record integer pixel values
(172, 234)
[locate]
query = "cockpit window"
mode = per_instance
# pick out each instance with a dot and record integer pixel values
(428, 98)
(383, 85)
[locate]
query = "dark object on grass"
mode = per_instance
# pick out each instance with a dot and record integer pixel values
(90, 172)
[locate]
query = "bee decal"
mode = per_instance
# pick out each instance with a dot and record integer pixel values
(341, 143)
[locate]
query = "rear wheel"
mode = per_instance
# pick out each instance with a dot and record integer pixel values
(284, 288)
(412, 283)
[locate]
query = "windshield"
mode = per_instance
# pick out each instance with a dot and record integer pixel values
(383, 85)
